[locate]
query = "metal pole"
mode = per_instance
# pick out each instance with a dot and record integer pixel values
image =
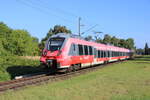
(79, 25)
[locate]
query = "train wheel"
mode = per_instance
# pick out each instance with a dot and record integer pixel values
(105, 62)
(76, 67)
(70, 69)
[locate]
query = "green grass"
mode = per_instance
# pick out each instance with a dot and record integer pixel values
(128, 80)
(11, 66)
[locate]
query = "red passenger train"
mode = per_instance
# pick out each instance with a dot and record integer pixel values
(71, 52)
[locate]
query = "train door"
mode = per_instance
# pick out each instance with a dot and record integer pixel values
(73, 53)
(95, 56)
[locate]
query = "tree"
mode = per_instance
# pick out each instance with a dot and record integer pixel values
(149, 51)
(52, 31)
(57, 29)
(18, 42)
(88, 38)
(123, 43)
(115, 41)
(130, 43)
(4, 32)
(146, 49)
(140, 51)
(107, 39)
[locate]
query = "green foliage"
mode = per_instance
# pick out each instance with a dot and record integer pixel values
(122, 43)
(128, 43)
(146, 49)
(52, 31)
(18, 42)
(88, 38)
(107, 39)
(115, 41)
(140, 51)
(4, 32)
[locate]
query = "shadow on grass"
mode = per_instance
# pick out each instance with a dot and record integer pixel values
(22, 70)
(142, 58)
(142, 62)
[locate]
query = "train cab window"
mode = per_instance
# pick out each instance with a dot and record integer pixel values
(86, 49)
(80, 49)
(55, 44)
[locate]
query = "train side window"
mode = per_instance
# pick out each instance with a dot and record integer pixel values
(104, 54)
(95, 53)
(86, 49)
(112, 53)
(90, 50)
(108, 54)
(98, 54)
(80, 49)
(101, 54)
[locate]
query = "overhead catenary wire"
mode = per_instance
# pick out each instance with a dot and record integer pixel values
(90, 29)
(57, 9)
(42, 7)
(42, 10)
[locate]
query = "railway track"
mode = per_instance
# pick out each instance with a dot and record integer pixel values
(44, 78)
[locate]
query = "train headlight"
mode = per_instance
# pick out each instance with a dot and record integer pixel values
(44, 53)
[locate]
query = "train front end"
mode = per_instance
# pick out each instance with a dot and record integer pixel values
(52, 52)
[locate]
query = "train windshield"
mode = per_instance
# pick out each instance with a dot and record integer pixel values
(55, 44)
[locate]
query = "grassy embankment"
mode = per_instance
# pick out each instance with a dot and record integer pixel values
(128, 80)
(11, 66)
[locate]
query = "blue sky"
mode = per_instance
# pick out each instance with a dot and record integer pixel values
(120, 18)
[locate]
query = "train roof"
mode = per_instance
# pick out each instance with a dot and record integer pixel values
(100, 45)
